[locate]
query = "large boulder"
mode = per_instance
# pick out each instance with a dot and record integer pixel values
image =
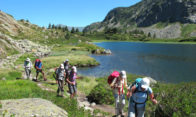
(31, 107)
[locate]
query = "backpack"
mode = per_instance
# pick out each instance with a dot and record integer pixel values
(137, 83)
(37, 62)
(113, 75)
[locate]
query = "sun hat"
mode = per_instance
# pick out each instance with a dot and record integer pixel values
(145, 83)
(28, 59)
(74, 69)
(123, 74)
(62, 66)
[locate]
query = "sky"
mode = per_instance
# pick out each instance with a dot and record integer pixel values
(78, 13)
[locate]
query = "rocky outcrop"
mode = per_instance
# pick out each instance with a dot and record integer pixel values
(22, 46)
(170, 31)
(103, 52)
(147, 13)
(10, 26)
(32, 107)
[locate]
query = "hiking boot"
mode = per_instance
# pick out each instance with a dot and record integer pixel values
(34, 80)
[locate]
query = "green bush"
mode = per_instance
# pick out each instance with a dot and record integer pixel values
(101, 94)
(176, 99)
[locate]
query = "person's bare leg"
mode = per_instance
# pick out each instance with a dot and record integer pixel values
(37, 73)
(44, 76)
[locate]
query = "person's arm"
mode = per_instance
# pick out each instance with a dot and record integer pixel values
(31, 64)
(112, 85)
(125, 83)
(130, 91)
(79, 77)
(153, 99)
(69, 81)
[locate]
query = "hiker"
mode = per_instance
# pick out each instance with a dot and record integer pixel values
(118, 85)
(60, 77)
(28, 66)
(72, 82)
(38, 66)
(138, 95)
(66, 66)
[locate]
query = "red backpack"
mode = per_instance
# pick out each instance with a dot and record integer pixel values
(113, 75)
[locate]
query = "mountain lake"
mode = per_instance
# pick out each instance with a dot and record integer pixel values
(170, 63)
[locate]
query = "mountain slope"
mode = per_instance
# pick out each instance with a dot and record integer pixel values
(147, 13)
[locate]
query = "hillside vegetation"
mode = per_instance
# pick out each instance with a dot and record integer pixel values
(162, 18)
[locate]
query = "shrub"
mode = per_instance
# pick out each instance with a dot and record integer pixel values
(101, 94)
(176, 100)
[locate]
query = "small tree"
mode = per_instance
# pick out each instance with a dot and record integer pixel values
(49, 26)
(53, 26)
(149, 34)
(77, 30)
(66, 29)
(59, 27)
(72, 30)
(67, 36)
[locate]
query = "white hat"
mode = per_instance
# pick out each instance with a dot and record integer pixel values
(74, 69)
(28, 59)
(66, 60)
(123, 74)
(62, 66)
(145, 83)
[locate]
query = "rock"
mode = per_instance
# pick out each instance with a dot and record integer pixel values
(86, 103)
(152, 81)
(107, 51)
(193, 34)
(88, 108)
(51, 70)
(93, 104)
(79, 41)
(32, 107)
(3, 78)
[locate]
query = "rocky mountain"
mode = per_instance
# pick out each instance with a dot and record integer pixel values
(147, 13)
(10, 44)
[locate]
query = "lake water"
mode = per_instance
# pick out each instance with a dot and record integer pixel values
(164, 62)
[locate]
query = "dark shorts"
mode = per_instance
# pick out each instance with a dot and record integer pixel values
(39, 70)
(72, 88)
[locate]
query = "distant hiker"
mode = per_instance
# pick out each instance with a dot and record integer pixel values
(38, 66)
(28, 66)
(66, 67)
(60, 76)
(138, 94)
(118, 83)
(72, 82)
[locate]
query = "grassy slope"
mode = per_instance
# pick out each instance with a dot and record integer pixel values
(27, 89)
